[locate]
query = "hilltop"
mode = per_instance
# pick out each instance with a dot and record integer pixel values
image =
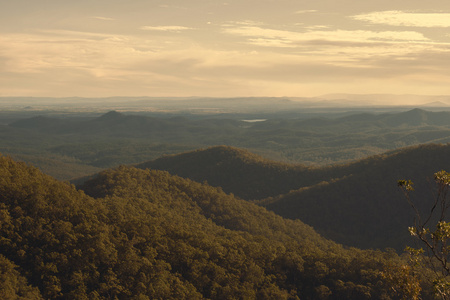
(236, 171)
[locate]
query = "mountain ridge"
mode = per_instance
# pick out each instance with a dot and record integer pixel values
(215, 164)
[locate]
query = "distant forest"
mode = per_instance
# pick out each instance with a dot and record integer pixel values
(70, 147)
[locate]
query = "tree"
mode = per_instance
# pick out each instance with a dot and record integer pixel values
(435, 239)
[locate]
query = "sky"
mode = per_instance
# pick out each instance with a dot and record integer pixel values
(102, 48)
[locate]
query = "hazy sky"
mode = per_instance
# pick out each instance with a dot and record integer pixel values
(223, 48)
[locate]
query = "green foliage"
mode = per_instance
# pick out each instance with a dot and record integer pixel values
(13, 285)
(433, 232)
(403, 280)
(406, 184)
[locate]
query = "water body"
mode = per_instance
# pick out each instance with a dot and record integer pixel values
(255, 120)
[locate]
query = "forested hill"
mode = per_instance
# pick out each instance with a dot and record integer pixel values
(236, 171)
(141, 234)
(116, 124)
(331, 199)
(369, 198)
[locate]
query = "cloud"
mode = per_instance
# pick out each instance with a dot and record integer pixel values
(48, 50)
(283, 38)
(371, 52)
(62, 35)
(166, 28)
(172, 6)
(246, 23)
(308, 11)
(407, 19)
(316, 27)
(104, 18)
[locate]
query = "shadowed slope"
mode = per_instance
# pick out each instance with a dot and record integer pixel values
(356, 204)
(237, 171)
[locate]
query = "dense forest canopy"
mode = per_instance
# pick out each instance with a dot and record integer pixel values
(145, 234)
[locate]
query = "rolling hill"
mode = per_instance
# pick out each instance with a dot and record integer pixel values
(237, 171)
(331, 199)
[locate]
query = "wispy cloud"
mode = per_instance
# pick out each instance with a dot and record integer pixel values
(166, 28)
(408, 19)
(283, 38)
(308, 11)
(172, 6)
(103, 18)
(245, 23)
(316, 27)
(65, 34)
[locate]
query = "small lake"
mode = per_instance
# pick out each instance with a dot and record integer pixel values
(255, 120)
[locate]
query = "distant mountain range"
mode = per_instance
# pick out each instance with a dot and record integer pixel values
(201, 105)
(386, 99)
(116, 123)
